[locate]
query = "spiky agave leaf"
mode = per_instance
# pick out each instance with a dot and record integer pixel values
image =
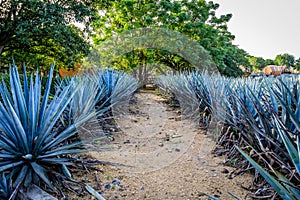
(291, 142)
(125, 86)
(282, 191)
(106, 78)
(29, 146)
(87, 94)
(116, 86)
(6, 190)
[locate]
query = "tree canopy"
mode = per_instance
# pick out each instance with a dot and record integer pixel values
(40, 32)
(196, 19)
(256, 63)
(285, 59)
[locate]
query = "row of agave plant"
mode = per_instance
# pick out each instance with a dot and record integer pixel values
(36, 126)
(259, 118)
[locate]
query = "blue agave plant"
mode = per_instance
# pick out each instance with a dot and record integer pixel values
(115, 87)
(30, 148)
(87, 93)
(108, 79)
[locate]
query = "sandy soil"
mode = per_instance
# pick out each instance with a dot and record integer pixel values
(161, 155)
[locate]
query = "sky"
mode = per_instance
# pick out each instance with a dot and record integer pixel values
(264, 28)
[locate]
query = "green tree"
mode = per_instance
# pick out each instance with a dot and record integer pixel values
(256, 63)
(270, 62)
(195, 18)
(235, 57)
(297, 64)
(285, 59)
(39, 32)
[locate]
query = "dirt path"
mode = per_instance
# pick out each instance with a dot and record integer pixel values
(163, 157)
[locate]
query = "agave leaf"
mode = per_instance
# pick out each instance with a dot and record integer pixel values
(69, 147)
(17, 95)
(15, 126)
(293, 190)
(288, 184)
(10, 137)
(291, 114)
(32, 111)
(11, 164)
(41, 172)
(3, 180)
(55, 161)
(58, 138)
(7, 156)
(45, 98)
(21, 175)
(28, 178)
(54, 111)
(289, 145)
(8, 145)
(298, 147)
(287, 90)
(272, 97)
(61, 152)
(283, 179)
(25, 86)
(94, 192)
(234, 196)
(5, 187)
(282, 191)
(14, 192)
(65, 171)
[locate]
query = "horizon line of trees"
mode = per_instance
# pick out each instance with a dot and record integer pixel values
(285, 59)
(40, 33)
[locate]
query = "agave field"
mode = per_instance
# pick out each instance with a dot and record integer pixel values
(257, 118)
(39, 129)
(257, 124)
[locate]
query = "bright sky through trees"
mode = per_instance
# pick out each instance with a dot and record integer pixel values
(264, 28)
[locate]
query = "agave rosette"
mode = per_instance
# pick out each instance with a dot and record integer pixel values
(30, 146)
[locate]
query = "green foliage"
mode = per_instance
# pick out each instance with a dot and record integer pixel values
(269, 62)
(5, 78)
(256, 63)
(233, 58)
(285, 59)
(196, 19)
(40, 32)
(297, 64)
